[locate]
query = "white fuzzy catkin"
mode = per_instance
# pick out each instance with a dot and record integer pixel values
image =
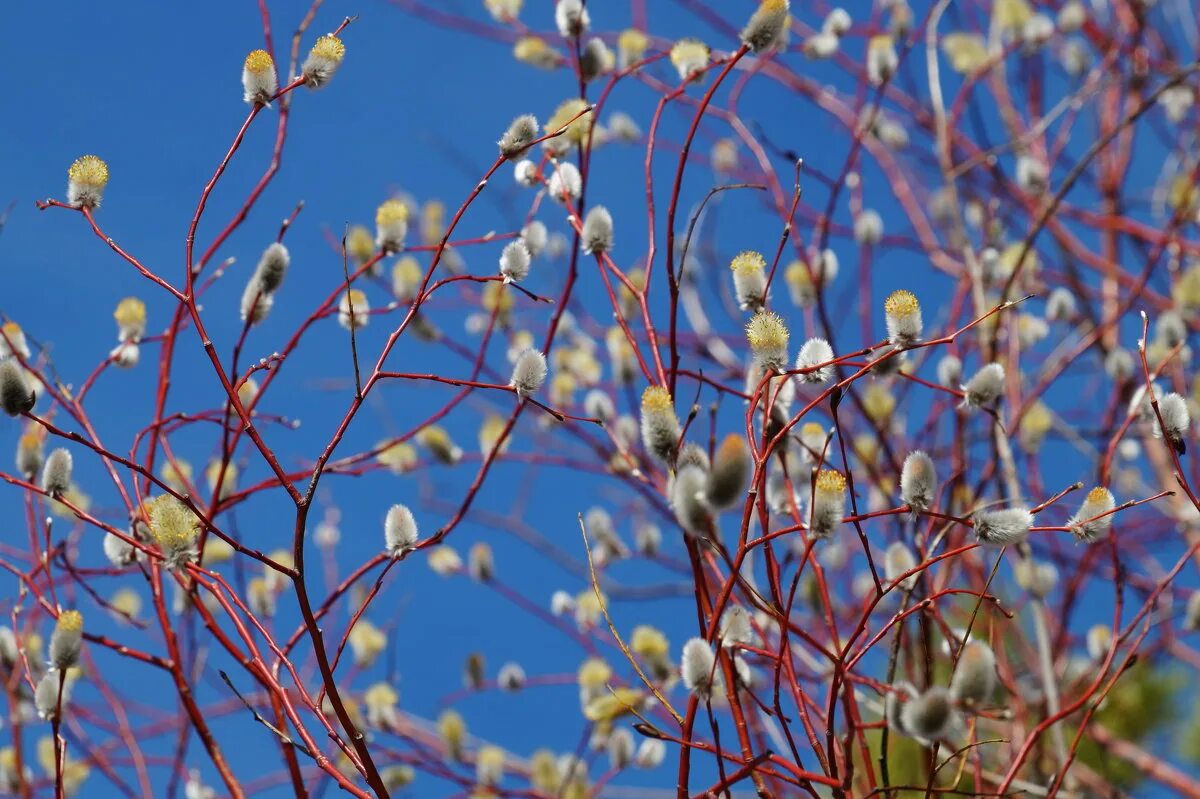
(837, 22)
(56, 474)
(1060, 305)
(1003, 527)
(353, 310)
(1038, 577)
(511, 677)
(597, 235)
(882, 60)
(259, 79)
(815, 351)
(766, 26)
(561, 603)
(918, 481)
(525, 173)
(514, 261)
(1175, 421)
(650, 754)
(565, 183)
(1170, 329)
(595, 59)
(985, 387)
(868, 227)
(749, 279)
(974, 679)
(659, 425)
(529, 372)
(256, 302)
(688, 502)
(828, 504)
(534, 236)
(620, 748)
(597, 404)
(119, 552)
(949, 370)
(272, 267)
(571, 18)
(46, 694)
(930, 716)
(399, 530)
(735, 626)
(1084, 524)
(66, 640)
(519, 136)
(697, 667)
(16, 396)
(898, 559)
(1191, 613)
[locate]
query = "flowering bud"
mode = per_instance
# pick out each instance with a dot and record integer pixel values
(1002, 527)
(730, 468)
(566, 183)
(648, 539)
(391, 225)
(651, 645)
(735, 626)
(56, 475)
(445, 560)
(131, 319)
(256, 302)
(480, 562)
(86, 179)
(1175, 421)
(918, 481)
(1099, 641)
(660, 425)
(46, 695)
(985, 387)
(1084, 525)
(690, 57)
(175, 528)
(949, 370)
(688, 502)
(15, 394)
(453, 730)
(902, 313)
(631, 46)
(534, 51)
(815, 351)
(697, 667)
(353, 310)
(828, 503)
(489, 765)
(597, 236)
(66, 640)
(768, 337)
(399, 530)
(650, 753)
(749, 279)
(504, 10)
(519, 136)
(438, 443)
(767, 25)
(367, 642)
(1037, 577)
(529, 372)
(259, 81)
(323, 60)
(897, 560)
(974, 679)
(571, 18)
(930, 716)
(868, 227)
(882, 60)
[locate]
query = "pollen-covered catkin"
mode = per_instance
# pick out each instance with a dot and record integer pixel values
(1175, 421)
(828, 504)
(1084, 524)
(814, 352)
(86, 179)
(768, 338)
(985, 387)
(902, 313)
(597, 235)
(323, 61)
(974, 679)
(259, 81)
(749, 279)
(930, 716)
(529, 372)
(175, 528)
(766, 26)
(519, 136)
(898, 559)
(882, 60)
(15, 394)
(660, 426)
(400, 530)
(1002, 527)
(56, 474)
(130, 316)
(697, 666)
(353, 310)
(391, 225)
(66, 640)
(730, 469)
(918, 481)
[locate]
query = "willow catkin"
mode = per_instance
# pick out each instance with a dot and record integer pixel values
(974, 679)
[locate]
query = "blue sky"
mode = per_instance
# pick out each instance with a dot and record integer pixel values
(153, 88)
